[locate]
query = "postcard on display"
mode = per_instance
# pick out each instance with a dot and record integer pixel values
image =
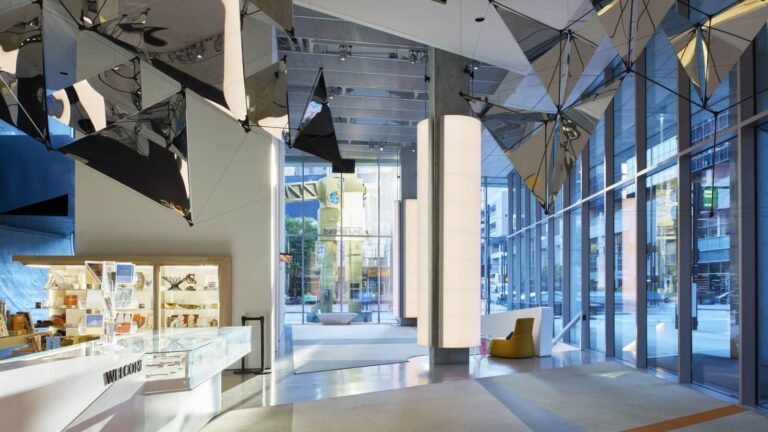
(94, 299)
(108, 280)
(94, 321)
(123, 298)
(125, 274)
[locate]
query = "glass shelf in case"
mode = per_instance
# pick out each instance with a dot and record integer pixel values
(190, 296)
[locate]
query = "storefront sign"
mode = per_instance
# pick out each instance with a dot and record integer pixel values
(117, 374)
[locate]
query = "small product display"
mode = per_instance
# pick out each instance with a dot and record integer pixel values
(190, 296)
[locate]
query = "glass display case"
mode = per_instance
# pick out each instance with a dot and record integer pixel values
(190, 296)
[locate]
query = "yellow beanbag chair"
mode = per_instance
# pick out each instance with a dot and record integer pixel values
(519, 346)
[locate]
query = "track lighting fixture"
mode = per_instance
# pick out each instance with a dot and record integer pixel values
(344, 51)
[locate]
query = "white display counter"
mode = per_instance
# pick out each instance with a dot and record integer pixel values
(168, 380)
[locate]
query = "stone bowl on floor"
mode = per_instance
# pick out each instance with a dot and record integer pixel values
(336, 318)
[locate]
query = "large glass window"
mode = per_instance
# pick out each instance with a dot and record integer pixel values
(597, 275)
(715, 285)
(661, 269)
(495, 223)
(558, 269)
(761, 177)
(597, 159)
(624, 164)
(661, 113)
(574, 254)
(338, 230)
(625, 272)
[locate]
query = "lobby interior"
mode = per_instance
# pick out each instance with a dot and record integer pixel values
(324, 215)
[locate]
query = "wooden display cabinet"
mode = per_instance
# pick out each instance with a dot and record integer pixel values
(177, 291)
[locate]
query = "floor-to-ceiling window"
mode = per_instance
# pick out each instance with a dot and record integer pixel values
(597, 274)
(338, 234)
(625, 272)
(661, 268)
(494, 260)
(574, 255)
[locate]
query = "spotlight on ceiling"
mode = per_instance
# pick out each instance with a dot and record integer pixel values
(412, 56)
(344, 51)
(475, 65)
(370, 146)
(381, 148)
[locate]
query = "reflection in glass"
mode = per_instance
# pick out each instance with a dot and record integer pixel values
(715, 305)
(661, 102)
(574, 251)
(22, 84)
(597, 275)
(761, 180)
(661, 269)
(146, 152)
(625, 273)
(624, 164)
(558, 269)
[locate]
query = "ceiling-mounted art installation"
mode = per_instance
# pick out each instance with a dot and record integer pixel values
(266, 94)
(631, 23)
(146, 152)
(92, 104)
(278, 13)
(559, 57)
(196, 42)
(709, 48)
(316, 134)
(22, 80)
(543, 147)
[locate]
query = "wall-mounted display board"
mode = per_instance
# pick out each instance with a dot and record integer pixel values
(146, 292)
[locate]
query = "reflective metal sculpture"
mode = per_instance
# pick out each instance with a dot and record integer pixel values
(146, 152)
(631, 23)
(94, 103)
(543, 147)
(278, 12)
(22, 83)
(266, 94)
(559, 57)
(196, 42)
(316, 134)
(710, 48)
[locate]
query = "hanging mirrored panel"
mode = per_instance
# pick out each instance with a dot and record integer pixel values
(710, 48)
(559, 57)
(631, 23)
(543, 147)
(22, 83)
(279, 13)
(146, 152)
(196, 42)
(316, 134)
(266, 95)
(94, 103)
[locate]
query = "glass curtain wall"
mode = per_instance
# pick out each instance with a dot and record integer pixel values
(625, 273)
(495, 228)
(338, 235)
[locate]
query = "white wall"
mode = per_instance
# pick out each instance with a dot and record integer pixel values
(233, 202)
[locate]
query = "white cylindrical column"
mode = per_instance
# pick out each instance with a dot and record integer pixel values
(424, 169)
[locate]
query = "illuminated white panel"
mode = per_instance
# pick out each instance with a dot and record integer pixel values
(460, 232)
(411, 258)
(424, 193)
(234, 79)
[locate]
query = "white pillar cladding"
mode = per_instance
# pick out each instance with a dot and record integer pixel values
(459, 272)
(411, 258)
(460, 231)
(424, 168)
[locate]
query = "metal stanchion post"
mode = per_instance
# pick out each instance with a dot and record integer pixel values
(260, 371)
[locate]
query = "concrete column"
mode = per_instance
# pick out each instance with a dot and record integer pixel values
(447, 79)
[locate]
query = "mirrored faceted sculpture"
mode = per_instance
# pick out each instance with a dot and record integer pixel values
(196, 42)
(22, 80)
(146, 152)
(266, 94)
(559, 57)
(543, 147)
(279, 13)
(631, 23)
(316, 134)
(710, 48)
(94, 103)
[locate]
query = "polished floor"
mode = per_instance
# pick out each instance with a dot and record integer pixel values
(571, 390)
